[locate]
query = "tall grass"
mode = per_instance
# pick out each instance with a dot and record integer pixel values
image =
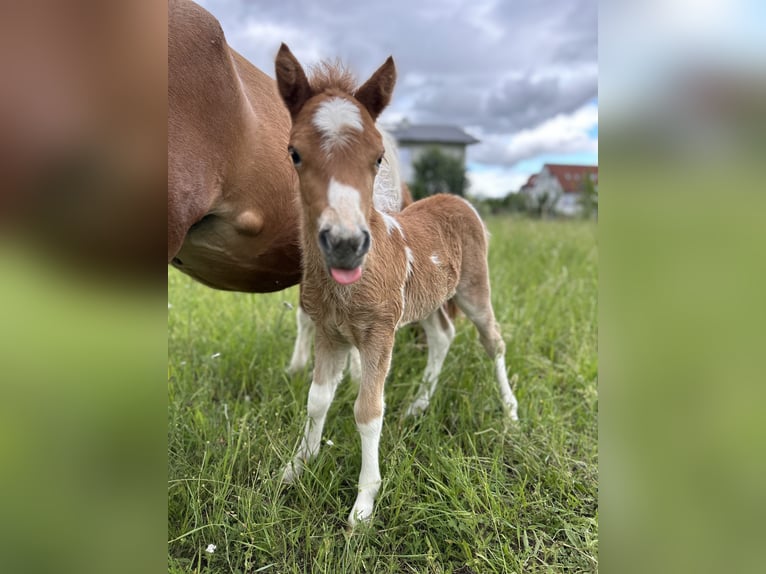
(462, 491)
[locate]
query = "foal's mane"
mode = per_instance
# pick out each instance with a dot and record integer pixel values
(328, 75)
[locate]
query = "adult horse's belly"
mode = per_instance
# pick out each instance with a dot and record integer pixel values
(218, 254)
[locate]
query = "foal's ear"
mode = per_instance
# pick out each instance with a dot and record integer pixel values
(376, 92)
(291, 80)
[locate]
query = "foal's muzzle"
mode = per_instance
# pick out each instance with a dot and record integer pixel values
(344, 250)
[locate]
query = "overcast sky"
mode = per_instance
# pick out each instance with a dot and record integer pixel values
(520, 75)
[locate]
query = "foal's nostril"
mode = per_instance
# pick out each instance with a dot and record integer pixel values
(365, 247)
(324, 240)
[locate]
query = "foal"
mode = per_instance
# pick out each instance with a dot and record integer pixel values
(390, 195)
(367, 273)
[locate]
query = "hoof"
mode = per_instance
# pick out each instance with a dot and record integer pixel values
(291, 473)
(360, 514)
(417, 408)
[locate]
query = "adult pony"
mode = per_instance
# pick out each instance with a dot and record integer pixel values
(366, 272)
(232, 213)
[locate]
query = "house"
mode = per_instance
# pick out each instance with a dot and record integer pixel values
(415, 139)
(560, 186)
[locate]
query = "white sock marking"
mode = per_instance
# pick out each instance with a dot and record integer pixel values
(303, 342)
(369, 476)
(320, 399)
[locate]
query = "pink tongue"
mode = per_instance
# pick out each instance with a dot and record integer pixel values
(346, 276)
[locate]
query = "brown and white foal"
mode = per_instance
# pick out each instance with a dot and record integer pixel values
(366, 272)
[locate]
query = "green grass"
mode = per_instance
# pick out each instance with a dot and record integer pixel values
(461, 491)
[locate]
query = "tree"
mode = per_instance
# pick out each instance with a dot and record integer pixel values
(542, 204)
(437, 172)
(512, 202)
(589, 199)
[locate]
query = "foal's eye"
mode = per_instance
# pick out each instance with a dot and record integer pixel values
(294, 155)
(379, 162)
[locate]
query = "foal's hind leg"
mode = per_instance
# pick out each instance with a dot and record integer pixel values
(303, 340)
(439, 334)
(473, 298)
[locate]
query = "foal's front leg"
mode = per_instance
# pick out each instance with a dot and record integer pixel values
(368, 412)
(328, 370)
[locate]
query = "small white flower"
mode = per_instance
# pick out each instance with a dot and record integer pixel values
(210, 548)
(328, 442)
(215, 355)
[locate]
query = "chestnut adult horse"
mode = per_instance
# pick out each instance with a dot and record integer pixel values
(232, 189)
(232, 212)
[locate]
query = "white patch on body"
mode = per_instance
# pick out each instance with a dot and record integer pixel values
(391, 223)
(410, 261)
(435, 259)
(334, 118)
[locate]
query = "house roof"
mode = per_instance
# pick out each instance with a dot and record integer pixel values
(571, 177)
(422, 133)
(530, 182)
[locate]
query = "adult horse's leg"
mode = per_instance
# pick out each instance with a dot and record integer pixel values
(368, 412)
(473, 298)
(328, 371)
(439, 334)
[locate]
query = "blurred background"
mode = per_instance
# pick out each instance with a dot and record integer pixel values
(683, 100)
(83, 109)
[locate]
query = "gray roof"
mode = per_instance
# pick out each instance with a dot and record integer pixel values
(419, 133)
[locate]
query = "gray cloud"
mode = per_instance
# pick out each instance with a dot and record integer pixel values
(497, 65)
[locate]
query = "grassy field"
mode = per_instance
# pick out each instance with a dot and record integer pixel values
(462, 492)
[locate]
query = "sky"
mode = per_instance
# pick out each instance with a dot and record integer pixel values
(519, 75)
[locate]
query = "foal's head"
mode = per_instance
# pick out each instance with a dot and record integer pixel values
(336, 150)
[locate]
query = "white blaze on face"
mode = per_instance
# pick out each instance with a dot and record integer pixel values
(334, 118)
(344, 210)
